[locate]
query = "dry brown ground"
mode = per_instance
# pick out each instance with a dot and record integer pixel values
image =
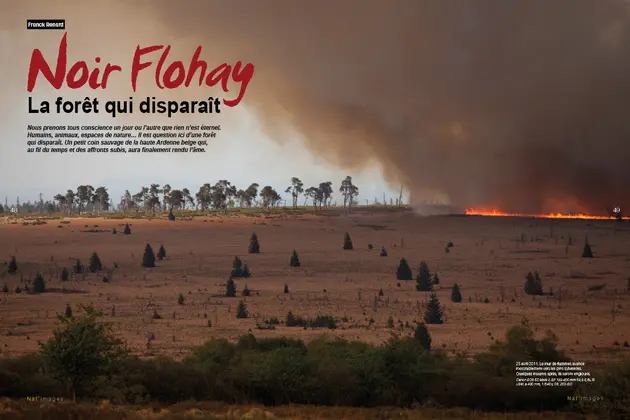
(488, 255)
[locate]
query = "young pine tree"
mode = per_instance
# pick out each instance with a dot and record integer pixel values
(436, 279)
(65, 274)
(246, 272)
(246, 292)
(423, 280)
(422, 336)
(230, 288)
(347, 242)
(161, 253)
(433, 312)
(241, 311)
(95, 263)
(68, 311)
(295, 260)
(180, 299)
(127, 230)
(404, 271)
(456, 294)
(5, 288)
(237, 268)
(384, 252)
(286, 288)
(533, 284)
(13, 267)
(39, 285)
(148, 258)
(254, 246)
(78, 267)
(587, 252)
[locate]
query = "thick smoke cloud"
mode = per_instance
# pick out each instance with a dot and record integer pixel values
(522, 105)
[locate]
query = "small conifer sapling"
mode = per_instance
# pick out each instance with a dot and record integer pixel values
(404, 271)
(39, 285)
(587, 252)
(295, 259)
(456, 294)
(13, 267)
(78, 267)
(148, 258)
(254, 246)
(423, 280)
(347, 242)
(241, 311)
(95, 263)
(533, 284)
(422, 336)
(433, 313)
(161, 253)
(436, 279)
(230, 288)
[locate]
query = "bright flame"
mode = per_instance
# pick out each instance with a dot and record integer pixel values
(495, 212)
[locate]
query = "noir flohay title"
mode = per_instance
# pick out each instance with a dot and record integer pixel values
(171, 76)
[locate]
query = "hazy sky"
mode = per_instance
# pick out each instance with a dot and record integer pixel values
(242, 153)
(519, 105)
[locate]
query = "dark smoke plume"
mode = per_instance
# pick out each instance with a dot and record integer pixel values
(522, 105)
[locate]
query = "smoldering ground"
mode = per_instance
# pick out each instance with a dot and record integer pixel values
(520, 105)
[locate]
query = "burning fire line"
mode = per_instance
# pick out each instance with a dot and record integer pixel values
(495, 212)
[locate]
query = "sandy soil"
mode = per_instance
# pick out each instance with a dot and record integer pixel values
(488, 256)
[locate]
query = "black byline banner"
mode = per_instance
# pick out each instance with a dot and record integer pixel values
(45, 24)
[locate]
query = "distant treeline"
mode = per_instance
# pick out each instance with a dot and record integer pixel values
(218, 196)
